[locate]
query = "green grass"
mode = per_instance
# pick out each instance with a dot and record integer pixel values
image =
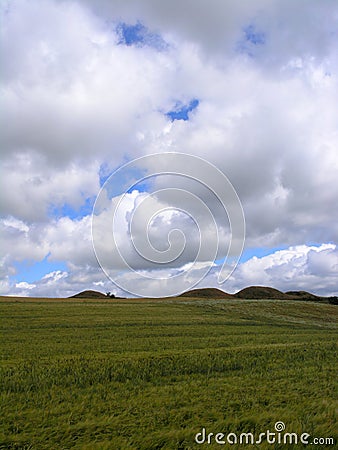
(150, 374)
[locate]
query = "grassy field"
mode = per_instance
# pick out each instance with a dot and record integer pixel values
(150, 374)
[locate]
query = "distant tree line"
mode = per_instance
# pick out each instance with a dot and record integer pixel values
(110, 295)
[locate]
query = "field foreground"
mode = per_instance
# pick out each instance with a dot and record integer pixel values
(151, 374)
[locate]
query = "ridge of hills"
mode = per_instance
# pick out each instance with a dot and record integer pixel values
(251, 292)
(254, 292)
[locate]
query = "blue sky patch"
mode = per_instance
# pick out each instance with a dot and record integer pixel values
(253, 36)
(143, 186)
(259, 252)
(249, 253)
(104, 173)
(31, 271)
(252, 40)
(139, 35)
(181, 110)
(124, 179)
(66, 210)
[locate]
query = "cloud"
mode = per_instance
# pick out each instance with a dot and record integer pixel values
(309, 268)
(78, 101)
(62, 240)
(73, 92)
(60, 284)
(291, 29)
(33, 188)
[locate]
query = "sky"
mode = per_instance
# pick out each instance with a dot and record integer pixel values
(96, 97)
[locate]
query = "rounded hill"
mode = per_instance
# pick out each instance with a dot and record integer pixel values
(260, 292)
(206, 293)
(89, 294)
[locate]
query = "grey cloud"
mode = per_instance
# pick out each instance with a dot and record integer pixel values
(292, 29)
(32, 187)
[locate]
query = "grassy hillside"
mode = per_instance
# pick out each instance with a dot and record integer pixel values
(89, 294)
(150, 374)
